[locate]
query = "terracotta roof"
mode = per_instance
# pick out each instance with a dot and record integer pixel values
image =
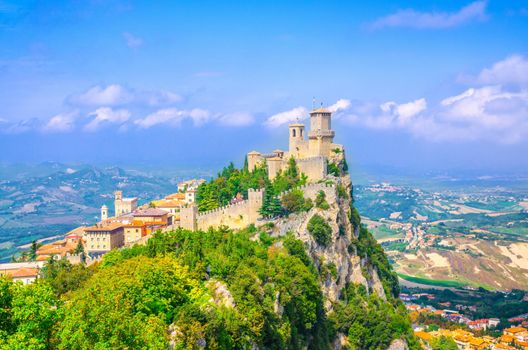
(423, 335)
(177, 195)
(150, 212)
(22, 272)
(78, 231)
(168, 203)
(515, 329)
(61, 247)
(111, 226)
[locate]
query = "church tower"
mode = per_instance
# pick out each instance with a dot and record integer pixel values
(297, 145)
(321, 135)
(104, 213)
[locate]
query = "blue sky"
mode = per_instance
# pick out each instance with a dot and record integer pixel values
(415, 85)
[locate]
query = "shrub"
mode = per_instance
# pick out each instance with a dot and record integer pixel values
(320, 200)
(333, 169)
(342, 192)
(294, 202)
(320, 230)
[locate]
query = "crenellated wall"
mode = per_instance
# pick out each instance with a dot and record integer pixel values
(243, 213)
(237, 215)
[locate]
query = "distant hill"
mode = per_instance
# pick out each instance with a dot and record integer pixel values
(35, 207)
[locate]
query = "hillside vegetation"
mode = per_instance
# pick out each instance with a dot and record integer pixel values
(309, 277)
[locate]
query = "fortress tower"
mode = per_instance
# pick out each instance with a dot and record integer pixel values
(311, 154)
(321, 135)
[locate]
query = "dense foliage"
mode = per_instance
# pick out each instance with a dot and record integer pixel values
(369, 321)
(230, 181)
(270, 296)
(320, 230)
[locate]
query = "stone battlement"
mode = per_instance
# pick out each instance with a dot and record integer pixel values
(246, 212)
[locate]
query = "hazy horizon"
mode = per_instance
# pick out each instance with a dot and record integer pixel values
(433, 87)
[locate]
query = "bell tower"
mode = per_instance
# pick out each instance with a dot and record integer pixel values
(104, 213)
(296, 144)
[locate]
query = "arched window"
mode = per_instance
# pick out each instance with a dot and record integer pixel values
(293, 132)
(301, 132)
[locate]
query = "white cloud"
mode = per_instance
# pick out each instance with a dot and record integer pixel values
(485, 113)
(118, 95)
(62, 122)
(110, 95)
(237, 119)
(290, 116)
(340, 105)
(173, 117)
(512, 70)
(411, 18)
(20, 127)
(132, 41)
(106, 115)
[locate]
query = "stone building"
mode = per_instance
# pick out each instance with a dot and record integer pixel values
(102, 238)
(311, 153)
(122, 205)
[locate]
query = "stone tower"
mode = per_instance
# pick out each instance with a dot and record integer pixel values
(321, 135)
(104, 213)
(118, 203)
(297, 144)
(255, 199)
(189, 217)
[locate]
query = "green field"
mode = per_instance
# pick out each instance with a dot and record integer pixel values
(432, 282)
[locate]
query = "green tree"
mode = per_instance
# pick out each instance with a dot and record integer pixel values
(320, 200)
(443, 343)
(271, 206)
(320, 230)
(294, 202)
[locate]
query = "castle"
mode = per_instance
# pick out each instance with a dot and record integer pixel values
(311, 155)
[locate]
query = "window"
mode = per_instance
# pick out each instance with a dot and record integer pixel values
(293, 132)
(137, 230)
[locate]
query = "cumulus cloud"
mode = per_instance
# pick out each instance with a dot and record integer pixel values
(290, 116)
(339, 106)
(485, 113)
(118, 95)
(104, 116)
(410, 18)
(110, 95)
(62, 122)
(132, 41)
(173, 117)
(512, 70)
(237, 119)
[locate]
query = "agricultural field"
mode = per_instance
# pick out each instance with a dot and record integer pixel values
(451, 236)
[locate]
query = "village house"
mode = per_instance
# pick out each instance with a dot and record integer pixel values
(102, 237)
(24, 272)
(151, 216)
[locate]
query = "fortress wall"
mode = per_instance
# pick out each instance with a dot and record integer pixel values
(237, 215)
(311, 191)
(313, 167)
(234, 216)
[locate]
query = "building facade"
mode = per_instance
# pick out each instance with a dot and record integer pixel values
(122, 205)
